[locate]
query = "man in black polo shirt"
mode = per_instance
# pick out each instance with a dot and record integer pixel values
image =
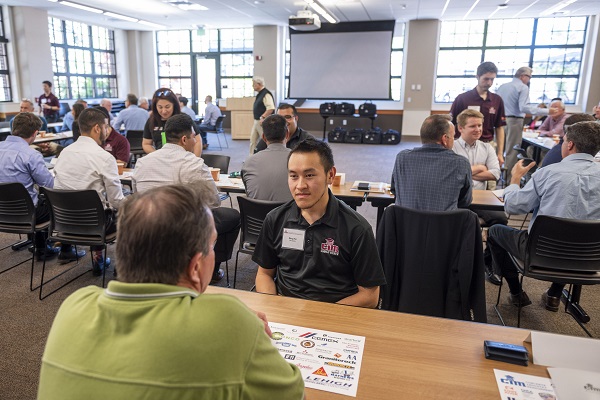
(319, 248)
(295, 133)
(487, 103)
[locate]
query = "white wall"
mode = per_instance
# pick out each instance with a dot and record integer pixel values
(268, 44)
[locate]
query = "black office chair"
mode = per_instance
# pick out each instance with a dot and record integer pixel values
(17, 215)
(76, 217)
(560, 250)
(221, 162)
(135, 139)
(253, 213)
(219, 129)
(433, 263)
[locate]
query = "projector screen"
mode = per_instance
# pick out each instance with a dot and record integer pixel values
(349, 60)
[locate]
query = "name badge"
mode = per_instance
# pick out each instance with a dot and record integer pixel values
(293, 239)
(476, 108)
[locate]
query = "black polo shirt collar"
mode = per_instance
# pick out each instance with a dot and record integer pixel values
(330, 218)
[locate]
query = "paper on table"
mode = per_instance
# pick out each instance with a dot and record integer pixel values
(521, 386)
(499, 194)
(575, 384)
(565, 351)
(374, 187)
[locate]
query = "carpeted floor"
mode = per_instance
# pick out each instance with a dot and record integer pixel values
(26, 320)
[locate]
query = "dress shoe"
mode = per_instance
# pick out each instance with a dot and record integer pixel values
(522, 297)
(491, 277)
(67, 257)
(550, 302)
(100, 265)
(217, 276)
(49, 252)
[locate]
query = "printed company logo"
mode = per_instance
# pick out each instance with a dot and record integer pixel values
(304, 366)
(307, 353)
(350, 357)
(333, 364)
(314, 336)
(289, 357)
(321, 372)
(352, 346)
(345, 374)
(338, 355)
(335, 359)
(350, 351)
(307, 343)
(589, 387)
(277, 335)
(319, 350)
(509, 380)
(329, 248)
(327, 382)
(285, 351)
(308, 334)
(286, 344)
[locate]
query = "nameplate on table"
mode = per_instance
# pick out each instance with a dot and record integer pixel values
(328, 361)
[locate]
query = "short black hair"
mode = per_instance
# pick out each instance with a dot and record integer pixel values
(585, 136)
(91, 117)
(486, 67)
(178, 126)
(274, 128)
(285, 106)
(183, 100)
(47, 83)
(102, 110)
(434, 127)
(311, 145)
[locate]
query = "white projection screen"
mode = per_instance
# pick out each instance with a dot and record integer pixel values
(348, 60)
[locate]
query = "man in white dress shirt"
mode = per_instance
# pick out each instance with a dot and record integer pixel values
(86, 165)
(174, 163)
(484, 167)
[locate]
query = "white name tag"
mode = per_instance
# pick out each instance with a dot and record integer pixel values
(476, 108)
(293, 239)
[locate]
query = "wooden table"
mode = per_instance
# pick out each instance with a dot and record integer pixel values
(53, 138)
(406, 356)
(482, 200)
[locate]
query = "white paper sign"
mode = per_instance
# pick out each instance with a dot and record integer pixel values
(328, 361)
(575, 384)
(515, 386)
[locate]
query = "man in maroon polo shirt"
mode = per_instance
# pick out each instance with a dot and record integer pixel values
(49, 103)
(116, 144)
(487, 103)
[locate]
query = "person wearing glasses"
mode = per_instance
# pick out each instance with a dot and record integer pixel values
(295, 133)
(433, 177)
(165, 104)
(515, 95)
(27, 106)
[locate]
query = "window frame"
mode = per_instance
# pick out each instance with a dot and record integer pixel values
(531, 47)
(91, 49)
(5, 73)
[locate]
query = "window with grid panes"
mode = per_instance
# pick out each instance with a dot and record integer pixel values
(83, 60)
(553, 47)
(5, 89)
(232, 48)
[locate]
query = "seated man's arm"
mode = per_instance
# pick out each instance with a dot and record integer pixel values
(265, 282)
(365, 297)
(465, 197)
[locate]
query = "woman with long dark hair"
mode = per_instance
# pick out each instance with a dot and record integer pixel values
(165, 104)
(76, 110)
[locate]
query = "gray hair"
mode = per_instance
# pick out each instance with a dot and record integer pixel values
(259, 79)
(523, 71)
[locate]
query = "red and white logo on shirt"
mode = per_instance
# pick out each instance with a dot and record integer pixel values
(330, 248)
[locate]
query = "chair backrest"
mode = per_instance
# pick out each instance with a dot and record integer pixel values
(219, 124)
(76, 216)
(217, 161)
(253, 213)
(433, 263)
(564, 250)
(17, 212)
(135, 140)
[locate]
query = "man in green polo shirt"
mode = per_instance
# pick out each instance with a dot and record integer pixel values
(154, 334)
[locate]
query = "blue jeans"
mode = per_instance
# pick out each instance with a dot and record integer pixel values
(504, 240)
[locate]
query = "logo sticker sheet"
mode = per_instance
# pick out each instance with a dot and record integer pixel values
(328, 361)
(515, 386)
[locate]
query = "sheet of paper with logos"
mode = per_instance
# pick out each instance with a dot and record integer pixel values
(575, 383)
(372, 187)
(515, 386)
(328, 361)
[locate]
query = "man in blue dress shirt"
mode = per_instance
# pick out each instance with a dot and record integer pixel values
(133, 117)
(568, 189)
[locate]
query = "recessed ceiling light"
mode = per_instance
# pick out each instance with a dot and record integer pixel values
(81, 7)
(119, 16)
(192, 7)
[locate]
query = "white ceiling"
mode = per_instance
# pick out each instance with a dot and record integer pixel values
(246, 13)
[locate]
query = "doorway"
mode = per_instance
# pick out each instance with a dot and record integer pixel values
(206, 81)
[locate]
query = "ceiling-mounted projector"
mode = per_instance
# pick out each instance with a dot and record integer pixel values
(305, 21)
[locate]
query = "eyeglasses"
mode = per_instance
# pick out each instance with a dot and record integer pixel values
(163, 93)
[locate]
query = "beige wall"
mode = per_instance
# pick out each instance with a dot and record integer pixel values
(267, 44)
